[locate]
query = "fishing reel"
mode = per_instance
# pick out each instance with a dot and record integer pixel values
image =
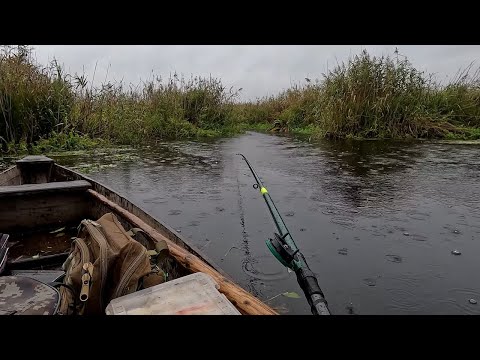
(282, 251)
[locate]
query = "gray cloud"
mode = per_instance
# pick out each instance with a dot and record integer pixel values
(259, 69)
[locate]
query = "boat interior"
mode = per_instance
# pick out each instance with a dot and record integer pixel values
(41, 207)
(40, 213)
(43, 204)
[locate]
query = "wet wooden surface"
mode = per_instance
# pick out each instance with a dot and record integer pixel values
(53, 187)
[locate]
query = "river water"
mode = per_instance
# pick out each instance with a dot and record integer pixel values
(376, 220)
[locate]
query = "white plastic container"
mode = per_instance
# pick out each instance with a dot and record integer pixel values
(194, 294)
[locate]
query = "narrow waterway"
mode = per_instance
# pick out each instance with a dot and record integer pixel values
(377, 221)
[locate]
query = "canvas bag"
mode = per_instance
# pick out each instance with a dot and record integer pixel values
(105, 262)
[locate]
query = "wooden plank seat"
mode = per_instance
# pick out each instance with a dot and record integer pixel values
(35, 206)
(53, 187)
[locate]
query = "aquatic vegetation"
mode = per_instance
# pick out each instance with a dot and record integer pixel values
(92, 167)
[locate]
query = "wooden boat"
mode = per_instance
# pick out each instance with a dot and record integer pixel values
(38, 196)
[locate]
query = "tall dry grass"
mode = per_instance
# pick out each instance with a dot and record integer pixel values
(37, 102)
(366, 96)
(373, 97)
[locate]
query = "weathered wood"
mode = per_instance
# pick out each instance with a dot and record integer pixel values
(35, 159)
(31, 263)
(35, 169)
(243, 300)
(23, 213)
(54, 187)
(11, 176)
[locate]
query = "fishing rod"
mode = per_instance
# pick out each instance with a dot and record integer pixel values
(286, 251)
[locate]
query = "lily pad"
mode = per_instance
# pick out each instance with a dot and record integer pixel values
(292, 295)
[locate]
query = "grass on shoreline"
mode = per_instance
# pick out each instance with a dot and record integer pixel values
(44, 109)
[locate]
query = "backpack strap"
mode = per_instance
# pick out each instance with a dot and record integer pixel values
(74, 305)
(160, 247)
(3, 251)
(158, 252)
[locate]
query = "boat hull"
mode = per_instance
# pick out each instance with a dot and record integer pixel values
(41, 196)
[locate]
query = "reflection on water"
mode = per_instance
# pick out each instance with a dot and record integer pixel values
(376, 220)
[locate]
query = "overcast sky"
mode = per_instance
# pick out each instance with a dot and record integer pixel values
(258, 69)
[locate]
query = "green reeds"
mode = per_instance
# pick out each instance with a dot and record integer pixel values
(377, 97)
(44, 109)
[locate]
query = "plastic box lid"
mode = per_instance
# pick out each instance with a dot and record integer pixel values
(194, 294)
